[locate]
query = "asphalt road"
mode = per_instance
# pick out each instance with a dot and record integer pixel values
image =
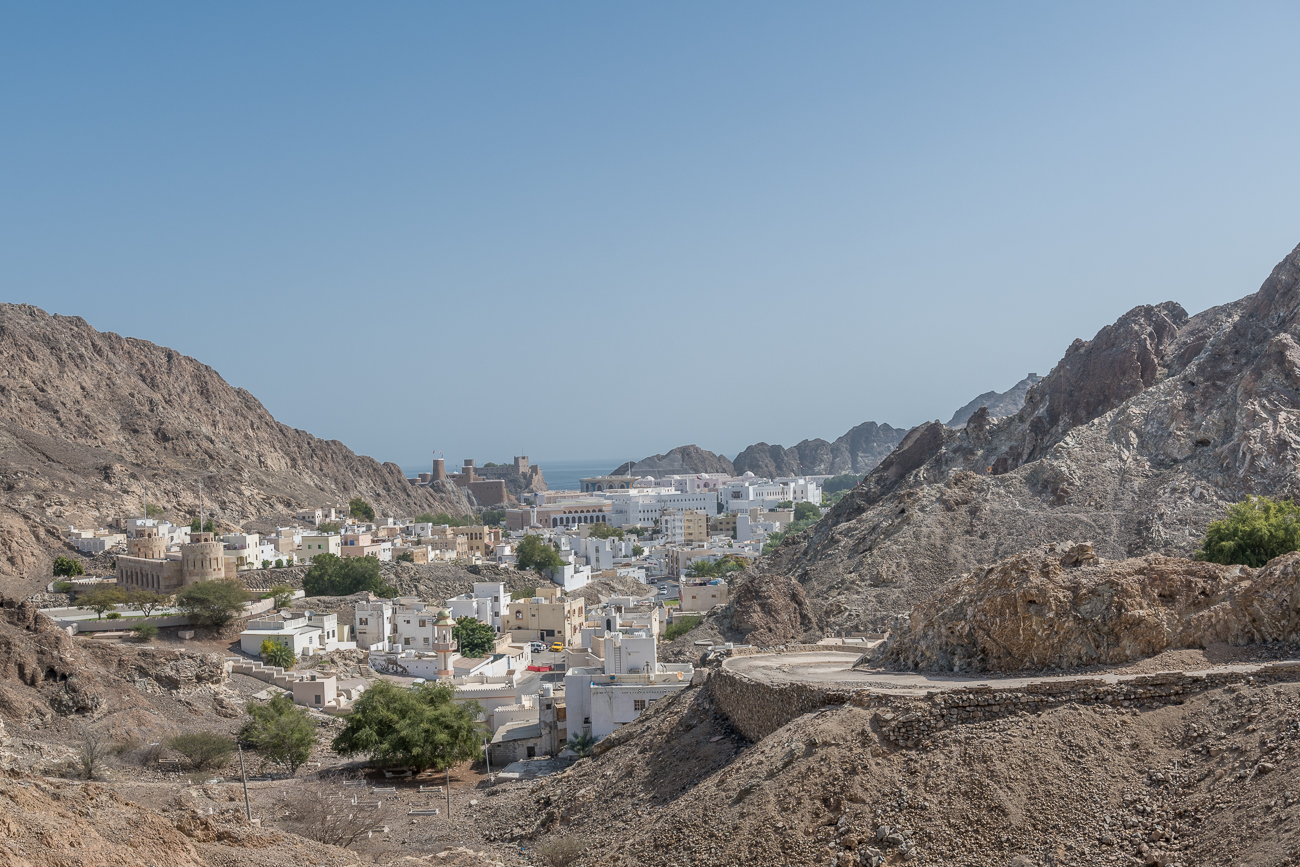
(834, 669)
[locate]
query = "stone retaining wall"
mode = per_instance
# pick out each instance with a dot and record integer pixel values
(757, 709)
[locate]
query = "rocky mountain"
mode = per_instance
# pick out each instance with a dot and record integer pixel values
(88, 417)
(857, 451)
(999, 404)
(683, 459)
(1136, 439)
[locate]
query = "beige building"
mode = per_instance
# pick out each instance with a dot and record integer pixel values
(702, 597)
(419, 553)
(547, 617)
(479, 540)
(446, 544)
(147, 566)
(695, 530)
(321, 543)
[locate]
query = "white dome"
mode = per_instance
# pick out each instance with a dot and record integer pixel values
(748, 475)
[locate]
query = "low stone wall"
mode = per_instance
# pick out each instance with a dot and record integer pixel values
(757, 709)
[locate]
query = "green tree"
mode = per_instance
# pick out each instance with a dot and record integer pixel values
(208, 526)
(773, 541)
(533, 553)
(266, 564)
(785, 504)
(523, 593)
(581, 743)
(330, 575)
(281, 731)
(474, 638)
(212, 603)
(279, 564)
(637, 550)
(405, 557)
(605, 531)
(147, 601)
(152, 510)
(419, 728)
(327, 527)
(843, 482)
(492, 517)
(67, 567)
(282, 594)
(439, 519)
(1255, 531)
(276, 654)
(806, 512)
(103, 598)
(203, 749)
(360, 509)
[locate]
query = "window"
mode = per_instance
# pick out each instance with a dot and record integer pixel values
(519, 615)
(421, 624)
(638, 704)
(406, 641)
(363, 621)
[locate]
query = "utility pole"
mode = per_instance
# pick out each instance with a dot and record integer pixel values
(448, 793)
(247, 807)
(488, 758)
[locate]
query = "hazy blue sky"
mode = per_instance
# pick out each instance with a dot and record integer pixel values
(605, 229)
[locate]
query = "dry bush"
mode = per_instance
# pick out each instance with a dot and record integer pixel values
(203, 750)
(323, 811)
(561, 851)
(92, 749)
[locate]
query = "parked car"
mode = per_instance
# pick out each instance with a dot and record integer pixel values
(557, 647)
(537, 647)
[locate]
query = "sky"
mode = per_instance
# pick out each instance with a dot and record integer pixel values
(593, 230)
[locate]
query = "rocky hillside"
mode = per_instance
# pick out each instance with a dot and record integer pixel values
(1060, 607)
(1137, 439)
(87, 417)
(683, 459)
(998, 403)
(858, 451)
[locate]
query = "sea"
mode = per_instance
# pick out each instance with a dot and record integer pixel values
(560, 475)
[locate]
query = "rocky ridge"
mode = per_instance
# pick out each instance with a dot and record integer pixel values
(87, 418)
(1136, 439)
(998, 404)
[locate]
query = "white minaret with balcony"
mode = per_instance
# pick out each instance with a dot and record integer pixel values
(444, 643)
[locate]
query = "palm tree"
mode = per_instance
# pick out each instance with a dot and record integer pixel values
(581, 743)
(277, 654)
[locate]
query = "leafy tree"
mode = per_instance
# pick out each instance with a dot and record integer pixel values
(212, 603)
(405, 557)
(439, 519)
(844, 482)
(103, 598)
(581, 743)
(147, 601)
(203, 749)
(208, 526)
(637, 550)
(535, 554)
(680, 626)
(330, 575)
(773, 540)
(605, 531)
(359, 508)
(276, 654)
(327, 527)
(785, 504)
(806, 511)
(724, 566)
(492, 517)
(418, 728)
(474, 638)
(145, 631)
(281, 731)
(1254, 532)
(62, 586)
(152, 510)
(282, 594)
(523, 593)
(266, 564)
(279, 564)
(67, 567)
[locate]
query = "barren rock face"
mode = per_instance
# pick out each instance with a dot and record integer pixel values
(1057, 606)
(88, 417)
(1137, 439)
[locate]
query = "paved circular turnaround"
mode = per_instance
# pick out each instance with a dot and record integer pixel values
(834, 669)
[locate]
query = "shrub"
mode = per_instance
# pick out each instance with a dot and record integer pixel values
(327, 527)
(680, 626)
(335, 576)
(62, 586)
(474, 639)
(1254, 532)
(266, 564)
(279, 564)
(92, 748)
(281, 731)
(67, 567)
(277, 654)
(581, 743)
(560, 851)
(405, 557)
(145, 631)
(311, 810)
(523, 593)
(282, 594)
(360, 509)
(203, 750)
(212, 603)
(113, 615)
(535, 554)
(806, 512)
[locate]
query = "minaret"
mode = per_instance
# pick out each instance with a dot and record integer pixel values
(444, 643)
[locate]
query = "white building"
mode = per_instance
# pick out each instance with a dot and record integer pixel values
(643, 506)
(308, 634)
(374, 624)
(599, 700)
(485, 604)
(413, 624)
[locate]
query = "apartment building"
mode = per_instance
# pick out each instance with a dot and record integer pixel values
(547, 616)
